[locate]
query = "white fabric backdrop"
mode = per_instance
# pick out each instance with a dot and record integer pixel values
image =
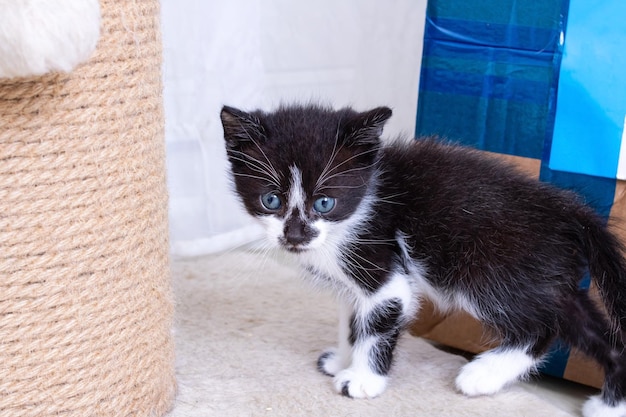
(256, 54)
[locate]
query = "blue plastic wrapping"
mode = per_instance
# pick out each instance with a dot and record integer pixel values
(489, 73)
(591, 104)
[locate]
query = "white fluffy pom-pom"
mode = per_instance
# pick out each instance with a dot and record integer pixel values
(41, 36)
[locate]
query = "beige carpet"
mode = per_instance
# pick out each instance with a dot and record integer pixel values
(249, 332)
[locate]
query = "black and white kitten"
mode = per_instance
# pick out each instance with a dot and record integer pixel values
(386, 225)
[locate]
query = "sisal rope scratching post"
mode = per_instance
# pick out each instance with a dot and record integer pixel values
(85, 302)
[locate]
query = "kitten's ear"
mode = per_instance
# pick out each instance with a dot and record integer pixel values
(365, 128)
(240, 127)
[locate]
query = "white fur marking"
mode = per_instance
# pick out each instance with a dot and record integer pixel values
(273, 229)
(325, 254)
(489, 372)
(322, 228)
(297, 196)
(398, 287)
(358, 379)
(595, 407)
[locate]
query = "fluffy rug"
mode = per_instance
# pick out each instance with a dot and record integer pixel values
(249, 332)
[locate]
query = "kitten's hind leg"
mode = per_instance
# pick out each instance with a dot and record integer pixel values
(491, 371)
(586, 328)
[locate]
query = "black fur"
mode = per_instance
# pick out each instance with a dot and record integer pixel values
(385, 323)
(515, 249)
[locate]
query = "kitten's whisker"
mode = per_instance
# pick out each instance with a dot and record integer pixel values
(337, 187)
(332, 158)
(270, 165)
(397, 203)
(388, 199)
(360, 272)
(238, 174)
(262, 167)
(325, 177)
(253, 164)
(333, 155)
(357, 155)
(375, 267)
(247, 158)
(375, 241)
(347, 171)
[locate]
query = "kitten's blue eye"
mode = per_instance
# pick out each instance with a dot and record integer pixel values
(324, 205)
(271, 201)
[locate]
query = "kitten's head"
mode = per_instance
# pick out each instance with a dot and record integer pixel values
(304, 171)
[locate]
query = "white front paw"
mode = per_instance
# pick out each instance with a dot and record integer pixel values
(330, 362)
(360, 383)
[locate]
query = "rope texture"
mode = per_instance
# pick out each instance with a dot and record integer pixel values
(85, 299)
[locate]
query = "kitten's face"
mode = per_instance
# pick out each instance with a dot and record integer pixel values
(304, 171)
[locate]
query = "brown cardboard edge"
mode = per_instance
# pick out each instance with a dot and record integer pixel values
(582, 369)
(528, 166)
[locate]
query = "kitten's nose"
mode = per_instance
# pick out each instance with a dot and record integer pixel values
(295, 232)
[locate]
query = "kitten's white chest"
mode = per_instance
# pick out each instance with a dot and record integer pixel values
(325, 267)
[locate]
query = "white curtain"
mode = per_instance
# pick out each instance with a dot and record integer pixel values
(259, 53)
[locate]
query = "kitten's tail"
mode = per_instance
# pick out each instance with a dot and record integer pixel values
(607, 265)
